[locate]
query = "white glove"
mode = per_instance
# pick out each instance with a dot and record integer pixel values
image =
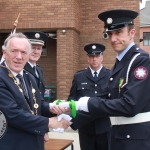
(62, 116)
(82, 104)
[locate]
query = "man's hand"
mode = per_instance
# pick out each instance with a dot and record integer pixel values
(54, 123)
(57, 109)
(46, 137)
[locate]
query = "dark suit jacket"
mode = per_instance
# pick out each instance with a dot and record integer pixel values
(134, 98)
(24, 130)
(83, 84)
(40, 80)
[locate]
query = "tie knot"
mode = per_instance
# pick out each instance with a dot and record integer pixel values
(19, 76)
(95, 73)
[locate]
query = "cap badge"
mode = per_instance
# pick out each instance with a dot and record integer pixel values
(141, 73)
(109, 20)
(93, 47)
(37, 35)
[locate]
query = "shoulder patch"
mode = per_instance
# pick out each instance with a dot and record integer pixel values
(141, 73)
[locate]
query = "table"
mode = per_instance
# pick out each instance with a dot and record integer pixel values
(58, 144)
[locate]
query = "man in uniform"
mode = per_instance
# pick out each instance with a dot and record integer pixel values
(90, 82)
(26, 113)
(128, 102)
(37, 40)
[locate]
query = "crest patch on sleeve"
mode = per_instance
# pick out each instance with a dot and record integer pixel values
(141, 73)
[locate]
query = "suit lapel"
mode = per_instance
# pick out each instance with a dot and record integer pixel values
(30, 69)
(89, 74)
(39, 72)
(101, 73)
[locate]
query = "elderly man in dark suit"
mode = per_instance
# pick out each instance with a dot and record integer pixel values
(91, 82)
(37, 40)
(27, 115)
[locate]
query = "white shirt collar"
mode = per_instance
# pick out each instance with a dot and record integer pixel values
(122, 54)
(98, 71)
(31, 64)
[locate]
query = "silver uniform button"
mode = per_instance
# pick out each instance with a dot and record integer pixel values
(95, 92)
(111, 79)
(95, 85)
(128, 136)
(137, 48)
(109, 95)
(83, 88)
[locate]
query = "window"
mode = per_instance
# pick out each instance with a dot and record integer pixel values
(44, 49)
(146, 38)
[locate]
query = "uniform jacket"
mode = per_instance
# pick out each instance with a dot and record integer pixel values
(83, 84)
(40, 80)
(132, 99)
(24, 130)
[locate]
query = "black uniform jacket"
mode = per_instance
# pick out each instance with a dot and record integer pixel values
(83, 84)
(24, 130)
(132, 99)
(40, 80)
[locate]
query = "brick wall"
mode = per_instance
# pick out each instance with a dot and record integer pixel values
(67, 60)
(79, 19)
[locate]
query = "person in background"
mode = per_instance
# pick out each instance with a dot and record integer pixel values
(28, 116)
(37, 40)
(91, 82)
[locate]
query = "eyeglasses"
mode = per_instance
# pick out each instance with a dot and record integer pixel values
(37, 48)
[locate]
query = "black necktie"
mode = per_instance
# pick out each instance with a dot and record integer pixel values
(95, 76)
(22, 85)
(116, 63)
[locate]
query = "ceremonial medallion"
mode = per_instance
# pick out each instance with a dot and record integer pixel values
(15, 82)
(3, 125)
(36, 105)
(10, 75)
(33, 90)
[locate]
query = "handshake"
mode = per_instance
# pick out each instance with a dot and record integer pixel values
(60, 123)
(63, 121)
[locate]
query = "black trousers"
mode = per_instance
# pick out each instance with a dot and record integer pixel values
(93, 142)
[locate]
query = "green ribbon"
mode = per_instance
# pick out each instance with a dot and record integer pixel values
(72, 105)
(73, 108)
(58, 101)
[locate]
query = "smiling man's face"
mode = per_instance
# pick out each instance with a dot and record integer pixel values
(17, 54)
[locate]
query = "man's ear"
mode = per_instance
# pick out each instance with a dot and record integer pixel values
(132, 33)
(4, 52)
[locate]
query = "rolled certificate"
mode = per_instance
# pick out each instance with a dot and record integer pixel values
(65, 104)
(69, 104)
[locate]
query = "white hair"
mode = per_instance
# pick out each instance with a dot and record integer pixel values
(17, 35)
